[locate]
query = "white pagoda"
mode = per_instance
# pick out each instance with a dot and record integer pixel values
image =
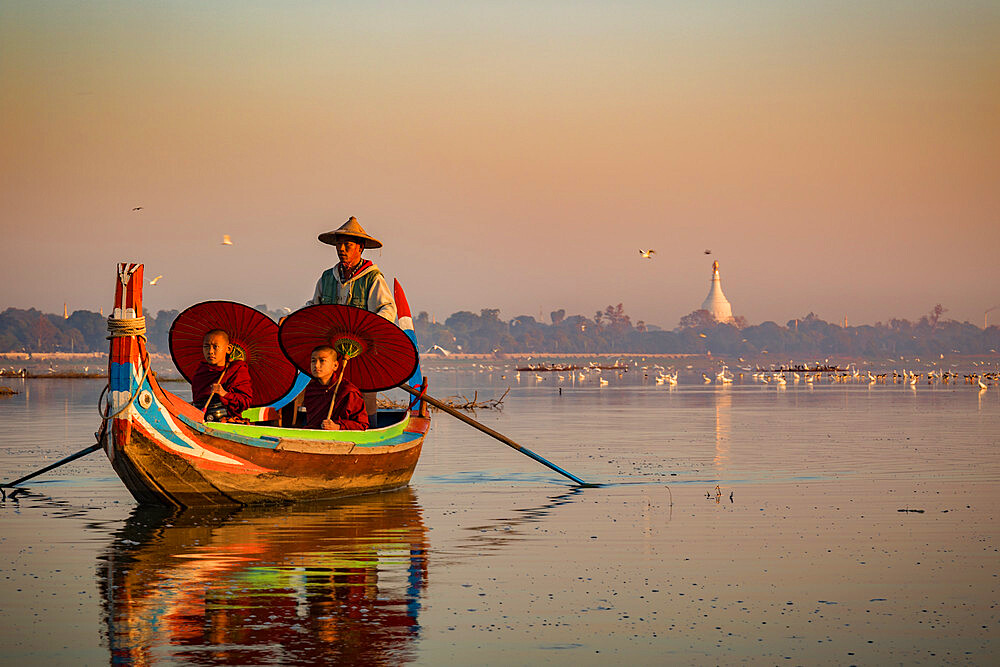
(716, 302)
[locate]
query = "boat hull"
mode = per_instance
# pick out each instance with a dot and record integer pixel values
(220, 470)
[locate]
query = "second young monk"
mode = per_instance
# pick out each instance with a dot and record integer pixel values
(348, 410)
(235, 392)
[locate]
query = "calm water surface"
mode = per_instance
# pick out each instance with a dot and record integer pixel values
(733, 524)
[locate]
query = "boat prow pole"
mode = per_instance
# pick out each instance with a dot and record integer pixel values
(490, 432)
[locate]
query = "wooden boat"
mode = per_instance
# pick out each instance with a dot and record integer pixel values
(166, 454)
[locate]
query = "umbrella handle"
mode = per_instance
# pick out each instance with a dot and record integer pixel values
(212, 395)
(336, 387)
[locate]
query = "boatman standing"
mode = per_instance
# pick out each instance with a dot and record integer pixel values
(355, 281)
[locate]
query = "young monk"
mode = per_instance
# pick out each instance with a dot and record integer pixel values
(234, 393)
(349, 409)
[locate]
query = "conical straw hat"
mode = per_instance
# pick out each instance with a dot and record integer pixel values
(353, 230)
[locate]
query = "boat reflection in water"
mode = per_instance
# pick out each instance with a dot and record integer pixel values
(319, 583)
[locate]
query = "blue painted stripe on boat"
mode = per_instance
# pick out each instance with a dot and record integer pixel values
(400, 439)
(153, 415)
(242, 439)
(301, 380)
(263, 442)
(417, 376)
(120, 377)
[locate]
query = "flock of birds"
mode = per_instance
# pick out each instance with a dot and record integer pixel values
(14, 372)
(594, 373)
(588, 373)
(724, 376)
(981, 381)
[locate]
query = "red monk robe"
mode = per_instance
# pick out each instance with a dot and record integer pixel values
(236, 382)
(348, 412)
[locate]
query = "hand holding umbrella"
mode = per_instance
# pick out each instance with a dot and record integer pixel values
(217, 384)
(346, 349)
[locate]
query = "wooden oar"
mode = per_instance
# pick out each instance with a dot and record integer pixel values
(72, 457)
(488, 431)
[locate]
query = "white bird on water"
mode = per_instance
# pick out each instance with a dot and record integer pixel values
(603, 383)
(226, 240)
(647, 254)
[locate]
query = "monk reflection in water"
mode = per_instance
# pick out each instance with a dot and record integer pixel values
(349, 408)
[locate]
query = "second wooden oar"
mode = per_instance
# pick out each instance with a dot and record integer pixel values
(488, 431)
(72, 457)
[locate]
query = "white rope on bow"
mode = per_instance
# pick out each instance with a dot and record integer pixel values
(126, 326)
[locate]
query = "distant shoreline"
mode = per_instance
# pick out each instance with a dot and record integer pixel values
(75, 376)
(93, 365)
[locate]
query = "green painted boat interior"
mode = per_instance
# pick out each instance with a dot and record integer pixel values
(371, 436)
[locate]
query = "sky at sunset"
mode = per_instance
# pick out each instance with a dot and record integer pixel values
(835, 157)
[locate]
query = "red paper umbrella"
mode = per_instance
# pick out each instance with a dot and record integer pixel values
(381, 355)
(253, 335)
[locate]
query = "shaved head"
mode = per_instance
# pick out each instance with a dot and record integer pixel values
(326, 348)
(216, 332)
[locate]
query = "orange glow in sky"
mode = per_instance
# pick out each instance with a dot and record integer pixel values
(841, 158)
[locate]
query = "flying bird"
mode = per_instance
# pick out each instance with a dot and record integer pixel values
(226, 240)
(647, 254)
(155, 280)
(137, 208)
(708, 252)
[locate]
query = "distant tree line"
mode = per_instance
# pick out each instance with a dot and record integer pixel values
(83, 331)
(609, 330)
